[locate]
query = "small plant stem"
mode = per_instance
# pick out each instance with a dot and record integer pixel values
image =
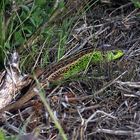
(46, 104)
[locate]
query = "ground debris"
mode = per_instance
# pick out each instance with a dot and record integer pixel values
(114, 113)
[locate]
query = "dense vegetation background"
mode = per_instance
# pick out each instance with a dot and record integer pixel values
(43, 32)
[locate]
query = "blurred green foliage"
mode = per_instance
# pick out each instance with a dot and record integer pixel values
(2, 32)
(29, 18)
(136, 3)
(21, 19)
(2, 135)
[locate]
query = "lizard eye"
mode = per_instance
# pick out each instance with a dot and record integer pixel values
(114, 52)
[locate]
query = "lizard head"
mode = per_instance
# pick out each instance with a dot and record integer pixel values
(114, 54)
(105, 56)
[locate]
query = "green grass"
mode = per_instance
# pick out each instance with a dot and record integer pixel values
(51, 35)
(2, 32)
(29, 26)
(21, 29)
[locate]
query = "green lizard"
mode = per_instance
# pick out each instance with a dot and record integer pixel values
(66, 68)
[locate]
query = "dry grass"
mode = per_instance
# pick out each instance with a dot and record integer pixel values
(104, 102)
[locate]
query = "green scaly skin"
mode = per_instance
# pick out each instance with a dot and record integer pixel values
(94, 57)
